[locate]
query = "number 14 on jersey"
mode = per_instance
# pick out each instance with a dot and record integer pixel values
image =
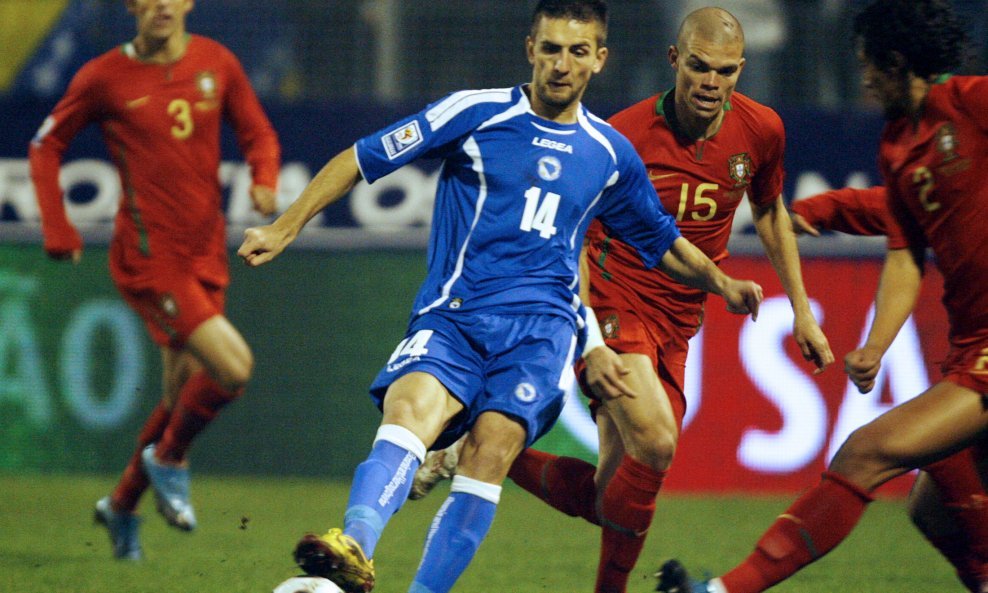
(540, 215)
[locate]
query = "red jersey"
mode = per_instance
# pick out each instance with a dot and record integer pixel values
(161, 124)
(701, 183)
(847, 210)
(936, 171)
(851, 210)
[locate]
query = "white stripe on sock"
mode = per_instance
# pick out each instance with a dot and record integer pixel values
(489, 492)
(404, 438)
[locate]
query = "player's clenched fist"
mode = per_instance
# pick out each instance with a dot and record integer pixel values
(862, 367)
(743, 297)
(262, 244)
(264, 199)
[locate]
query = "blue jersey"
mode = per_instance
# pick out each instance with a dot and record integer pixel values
(515, 196)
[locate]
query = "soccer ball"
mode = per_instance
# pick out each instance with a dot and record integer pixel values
(306, 584)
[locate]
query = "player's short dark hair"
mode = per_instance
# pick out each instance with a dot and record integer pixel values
(585, 11)
(926, 33)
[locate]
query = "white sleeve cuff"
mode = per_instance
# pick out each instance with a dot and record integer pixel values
(594, 337)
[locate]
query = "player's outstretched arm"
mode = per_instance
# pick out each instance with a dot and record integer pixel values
(847, 210)
(264, 243)
(62, 240)
(687, 264)
(897, 294)
(801, 226)
(774, 228)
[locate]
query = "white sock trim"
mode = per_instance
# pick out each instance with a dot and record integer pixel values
(489, 492)
(404, 438)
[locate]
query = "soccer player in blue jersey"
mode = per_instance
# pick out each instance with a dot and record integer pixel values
(497, 323)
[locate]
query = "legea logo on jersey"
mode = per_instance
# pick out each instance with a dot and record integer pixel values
(546, 143)
(398, 142)
(525, 392)
(550, 168)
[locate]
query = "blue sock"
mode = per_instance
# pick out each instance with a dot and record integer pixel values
(460, 525)
(381, 485)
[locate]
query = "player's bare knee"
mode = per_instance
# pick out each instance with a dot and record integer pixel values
(866, 458)
(657, 458)
(403, 410)
(889, 449)
(420, 415)
(856, 451)
(493, 458)
(491, 446)
(488, 460)
(235, 375)
(653, 447)
(664, 451)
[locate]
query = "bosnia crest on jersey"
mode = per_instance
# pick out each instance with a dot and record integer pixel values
(739, 167)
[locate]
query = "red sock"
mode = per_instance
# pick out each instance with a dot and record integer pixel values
(565, 483)
(819, 520)
(625, 514)
(965, 498)
(133, 482)
(200, 399)
(954, 547)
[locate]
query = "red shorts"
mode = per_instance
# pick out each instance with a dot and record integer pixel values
(173, 305)
(626, 333)
(967, 366)
(642, 312)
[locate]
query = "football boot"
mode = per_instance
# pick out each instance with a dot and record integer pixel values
(438, 466)
(674, 578)
(171, 490)
(122, 527)
(337, 557)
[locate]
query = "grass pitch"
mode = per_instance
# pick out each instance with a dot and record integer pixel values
(249, 525)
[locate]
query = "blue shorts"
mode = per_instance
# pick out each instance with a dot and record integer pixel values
(518, 365)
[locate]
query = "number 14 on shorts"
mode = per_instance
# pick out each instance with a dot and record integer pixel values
(412, 346)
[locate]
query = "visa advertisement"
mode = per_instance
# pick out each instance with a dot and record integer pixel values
(757, 418)
(78, 375)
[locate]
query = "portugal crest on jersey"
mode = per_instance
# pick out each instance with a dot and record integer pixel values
(168, 305)
(739, 167)
(206, 83)
(947, 141)
(611, 327)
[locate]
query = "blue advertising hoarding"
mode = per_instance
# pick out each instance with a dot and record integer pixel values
(824, 150)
